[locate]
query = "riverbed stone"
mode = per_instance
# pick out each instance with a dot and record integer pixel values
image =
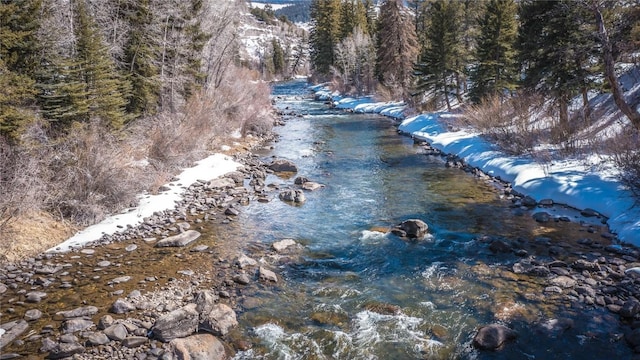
(563, 281)
(219, 320)
(282, 245)
(33, 314)
(179, 240)
(198, 347)
(542, 217)
(120, 279)
(77, 324)
(121, 306)
(116, 332)
(244, 261)
(411, 228)
(311, 186)
(268, 275)
(290, 195)
(176, 324)
(64, 350)
(205, 300)
(78, 312)
(105, 321)
(630, 308)
(134, 341)
(283, 165)
(493, 337)
(98, 338)
(13, 332)
(35, 296)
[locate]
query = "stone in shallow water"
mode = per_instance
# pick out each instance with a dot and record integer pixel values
(79, 312)
(493, 337)
(131, 248)
(282, 245)
(33, 314)
(180, 240)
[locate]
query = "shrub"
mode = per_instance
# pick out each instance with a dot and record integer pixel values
(625, 151)
(510, 124)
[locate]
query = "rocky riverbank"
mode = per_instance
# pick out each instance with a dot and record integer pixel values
(187, 314)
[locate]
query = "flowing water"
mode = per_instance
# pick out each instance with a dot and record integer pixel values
(358, 293)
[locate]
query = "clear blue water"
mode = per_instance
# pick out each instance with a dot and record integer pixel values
(357, 293)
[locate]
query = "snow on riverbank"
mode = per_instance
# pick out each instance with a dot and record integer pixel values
(207, 169)
(566, 182)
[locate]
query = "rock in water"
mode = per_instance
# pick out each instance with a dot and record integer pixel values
(412, 228)
(198, 347)
(492, 337)
(176, 324)
(296, 196)
(179, 240)
(219, 320)
(282, 245)
(282, 165)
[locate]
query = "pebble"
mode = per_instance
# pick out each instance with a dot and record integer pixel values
(131, 248)
(33, 314)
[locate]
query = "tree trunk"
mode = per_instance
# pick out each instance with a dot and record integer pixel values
(586, 109)
(609, 69)
(446, 91)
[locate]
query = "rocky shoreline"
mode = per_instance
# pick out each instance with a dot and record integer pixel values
(187, 318)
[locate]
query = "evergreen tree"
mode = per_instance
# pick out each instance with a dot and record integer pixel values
(139, 62)
(353, 14)
(19, 50)
(325, 27)
(397, 46)
(278, 57)
(106, 91)
(496, 68)
(556, 46)
(438, 67)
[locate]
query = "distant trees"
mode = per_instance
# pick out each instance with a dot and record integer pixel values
(455, 51)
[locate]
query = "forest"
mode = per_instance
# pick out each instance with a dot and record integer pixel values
(104, 99)
(523, 73)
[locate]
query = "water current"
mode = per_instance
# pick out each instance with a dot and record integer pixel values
(360, 293)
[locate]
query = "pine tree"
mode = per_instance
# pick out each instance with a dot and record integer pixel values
(278, 57)
(324, 34)
(139, 62)
(397, 46)
(496, 69)
(556, 46)
(19, 50)
(106, 91)
(438, 67)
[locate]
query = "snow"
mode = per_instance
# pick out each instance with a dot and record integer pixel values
(209, 168)
(567, 182)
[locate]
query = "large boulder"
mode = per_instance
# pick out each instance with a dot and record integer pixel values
(282, 165)
(198, 347)
(493, 337)
(176, 324)
(219, 320)
(179, 240)
(412, 229)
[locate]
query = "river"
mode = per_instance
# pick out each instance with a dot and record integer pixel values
(359, 293)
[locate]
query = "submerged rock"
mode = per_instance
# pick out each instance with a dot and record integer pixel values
(493, 337)
(180, 240)
(282, 165)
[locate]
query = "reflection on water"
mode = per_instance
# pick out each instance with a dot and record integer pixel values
(359, 293)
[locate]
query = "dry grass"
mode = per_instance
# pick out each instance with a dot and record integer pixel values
(30, 234)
